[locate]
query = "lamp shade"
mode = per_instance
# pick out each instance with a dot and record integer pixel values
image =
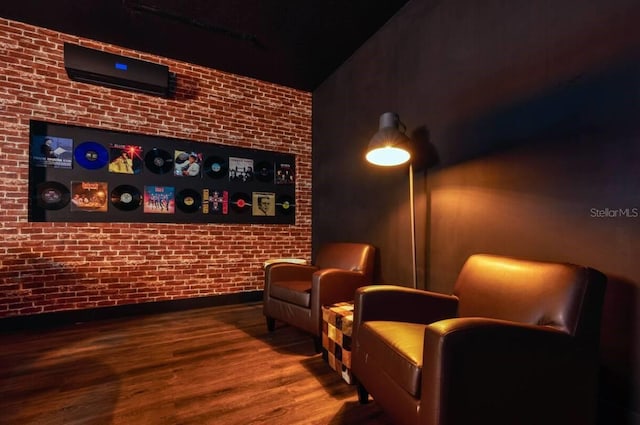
(389, 146)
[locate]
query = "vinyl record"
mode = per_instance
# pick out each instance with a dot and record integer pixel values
(91, 155)
(285, 204)
(158, 161)
(264, 171)
(126, 197)
(52, 195)
(240, 202)
(188, 200)
(215, 167)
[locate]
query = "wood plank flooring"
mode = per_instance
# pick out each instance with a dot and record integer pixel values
(215, 365)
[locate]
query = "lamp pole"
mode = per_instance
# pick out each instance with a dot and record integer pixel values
(413, 227)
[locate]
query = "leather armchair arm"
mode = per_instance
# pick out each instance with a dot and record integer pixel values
(451, 337)
(329, 286)
(289, 271)
(511, 342)
(465, 357)
(401, 304)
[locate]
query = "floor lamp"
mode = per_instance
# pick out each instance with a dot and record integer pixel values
(390, 146)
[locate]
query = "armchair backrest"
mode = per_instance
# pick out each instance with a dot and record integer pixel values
(564, 296)
(357, 257)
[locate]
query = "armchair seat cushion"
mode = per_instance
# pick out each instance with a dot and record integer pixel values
(296, 292)
(397, 346)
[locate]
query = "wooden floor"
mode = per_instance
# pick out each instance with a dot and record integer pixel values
(214, 365)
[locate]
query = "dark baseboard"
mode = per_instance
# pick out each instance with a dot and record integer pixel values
(68, 317)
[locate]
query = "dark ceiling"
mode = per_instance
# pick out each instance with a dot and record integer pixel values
(295, 43)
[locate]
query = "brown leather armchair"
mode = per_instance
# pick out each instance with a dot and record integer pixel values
(515, 344)
(295, 293)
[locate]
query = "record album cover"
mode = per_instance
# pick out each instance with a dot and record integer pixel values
(264, 204)
(159, 199)
(125, 159)
(187, 164)
(48, 151)
(240, 169)
(89, 196)
(215, 201)
(285, 173)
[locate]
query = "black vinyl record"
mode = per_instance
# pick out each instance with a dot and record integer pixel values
(189, 200)
(240, 202)
(91, 155)
(52, 195)
(158, 161)
(126, 197)
(264, 171)
(285, 204)
(215, 167)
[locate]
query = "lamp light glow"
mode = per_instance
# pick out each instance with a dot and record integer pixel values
(388, 156)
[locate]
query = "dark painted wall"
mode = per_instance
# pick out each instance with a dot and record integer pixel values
(531, 111)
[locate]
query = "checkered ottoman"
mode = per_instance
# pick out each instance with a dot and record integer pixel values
(337, 321)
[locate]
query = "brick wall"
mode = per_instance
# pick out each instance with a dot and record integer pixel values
(47, 267)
